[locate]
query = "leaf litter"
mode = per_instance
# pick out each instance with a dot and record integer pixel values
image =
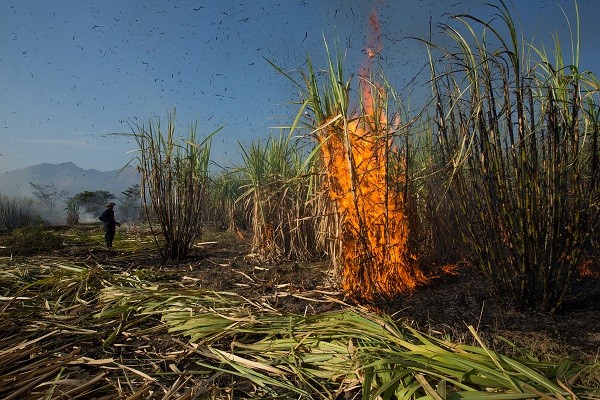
(84, 323)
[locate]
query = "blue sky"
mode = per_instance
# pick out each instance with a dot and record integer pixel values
(73, 72)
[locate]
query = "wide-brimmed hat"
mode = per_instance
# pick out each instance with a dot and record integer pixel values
(111, 204)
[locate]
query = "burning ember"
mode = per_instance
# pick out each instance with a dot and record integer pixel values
(586, 270)
(450, 269)
(375, 256)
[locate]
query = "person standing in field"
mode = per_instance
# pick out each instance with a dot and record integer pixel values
(108, 218)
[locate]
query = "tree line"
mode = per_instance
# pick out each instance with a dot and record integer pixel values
(50, 204)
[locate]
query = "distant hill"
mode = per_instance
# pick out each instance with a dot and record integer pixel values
(66, 177)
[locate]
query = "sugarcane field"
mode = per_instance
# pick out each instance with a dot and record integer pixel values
(367, 250)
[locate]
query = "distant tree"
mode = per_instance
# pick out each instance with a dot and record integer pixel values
(131, 202)
(49, 194)
(92, 202)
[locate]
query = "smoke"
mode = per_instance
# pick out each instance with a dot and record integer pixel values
(86, 217)
(56, 215)
(51, 214)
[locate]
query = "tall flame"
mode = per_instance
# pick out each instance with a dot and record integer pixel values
(375, 257)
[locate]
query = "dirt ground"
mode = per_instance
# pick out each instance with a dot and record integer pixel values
(446, 306)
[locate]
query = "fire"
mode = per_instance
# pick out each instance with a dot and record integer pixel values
(374, 45)
(375, 256)
(374, 229)
(450, 269)
(586, 270)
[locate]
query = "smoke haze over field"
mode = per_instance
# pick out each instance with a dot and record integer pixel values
(69, 180)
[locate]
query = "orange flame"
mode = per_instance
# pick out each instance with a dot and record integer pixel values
(374, 45)
(375, 256)
(451, 269)
(586, 269)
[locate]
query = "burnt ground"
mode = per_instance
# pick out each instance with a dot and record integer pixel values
(452, 302)
(446, 306)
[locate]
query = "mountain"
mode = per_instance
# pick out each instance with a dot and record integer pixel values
(66, 177)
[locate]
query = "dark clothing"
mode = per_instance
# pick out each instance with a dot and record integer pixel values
(108, 218)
